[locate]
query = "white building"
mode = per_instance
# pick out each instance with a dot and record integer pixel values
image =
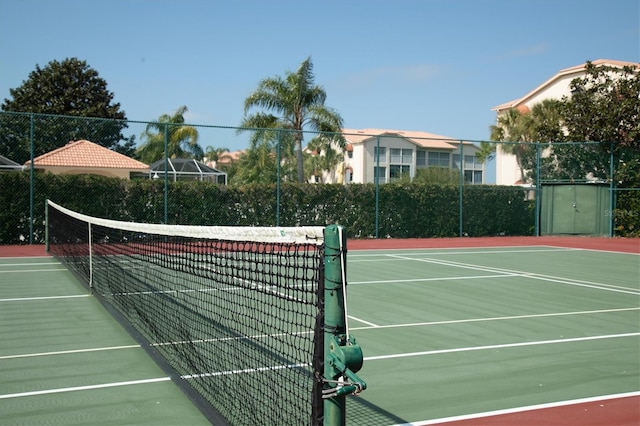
(387, 155)
(507, 171)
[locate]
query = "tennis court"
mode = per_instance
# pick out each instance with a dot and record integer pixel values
(469, 334)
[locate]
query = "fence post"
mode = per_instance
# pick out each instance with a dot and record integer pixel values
(376, 176)
(166, 173)
(461, 198)
(612, 204)
(538, 190)
(31, 177)
(278, 178)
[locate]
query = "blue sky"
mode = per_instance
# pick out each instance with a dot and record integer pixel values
(431, 65)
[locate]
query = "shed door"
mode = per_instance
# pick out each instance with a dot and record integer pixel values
(575, 209)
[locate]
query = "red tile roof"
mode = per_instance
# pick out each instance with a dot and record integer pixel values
(424, 139)
(87, 155)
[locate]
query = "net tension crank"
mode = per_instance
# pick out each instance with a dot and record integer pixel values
(345, 360)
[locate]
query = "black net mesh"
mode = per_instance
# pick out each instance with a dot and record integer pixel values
(235, 319)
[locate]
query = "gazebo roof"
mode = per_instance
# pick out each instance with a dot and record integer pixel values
(187, 168)
(6, 164)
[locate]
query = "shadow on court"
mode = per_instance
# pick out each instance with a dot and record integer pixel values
(362, 412)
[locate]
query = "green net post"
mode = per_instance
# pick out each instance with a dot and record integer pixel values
(342, 356)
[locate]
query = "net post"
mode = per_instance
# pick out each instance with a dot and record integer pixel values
(342, 356)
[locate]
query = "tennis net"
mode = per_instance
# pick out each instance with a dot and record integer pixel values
(234, 312)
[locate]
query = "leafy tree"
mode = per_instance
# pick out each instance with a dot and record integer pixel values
(215, 154)
(437, 176)
(257, 165)
(298, 103)
(605, 106)
(545, 122)
(582, 132)
(322, 156)
(544, 125)
(522, 133)
(604, 109)
(182, 139)
(67, 88)
(513, 128)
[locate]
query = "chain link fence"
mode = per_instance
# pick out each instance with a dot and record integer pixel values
(260, 188)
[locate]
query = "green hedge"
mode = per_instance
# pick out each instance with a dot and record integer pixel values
(403, 210)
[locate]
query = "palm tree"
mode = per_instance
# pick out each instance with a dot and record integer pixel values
(182, 139)
(547, 122)
(513, 127)
(323, 156)
(298, 104)
(256, 165)
(542, 124)
(215, 154)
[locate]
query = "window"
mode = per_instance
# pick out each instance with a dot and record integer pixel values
(400, 162)
(473, 176)
(407, 156)
(395, 155)
(438, 159)
(397, 172)
(472, 168)
(400, 156)
(421, 158)
(348, 175)
(470, 162)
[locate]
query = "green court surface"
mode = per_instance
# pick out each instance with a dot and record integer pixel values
(445, 333)
(64, 360)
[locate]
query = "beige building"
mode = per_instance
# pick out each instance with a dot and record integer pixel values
(558, 86)
(84, 157)
(385, 156)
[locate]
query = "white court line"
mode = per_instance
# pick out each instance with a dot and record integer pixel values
(362, 321)
(73, 351)
(29, 264)
(22, 299)
(31, 271)
(421, 252)
(411, 280)
(472, 320)
(551, 278)
(84, 388)
(244, 371)
(472, 250)
(458, 265)
(501, 346)
(521, 409)
(46, 256)
(600, 250)
(579, 283)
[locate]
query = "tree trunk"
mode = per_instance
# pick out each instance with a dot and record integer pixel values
(299, 158)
